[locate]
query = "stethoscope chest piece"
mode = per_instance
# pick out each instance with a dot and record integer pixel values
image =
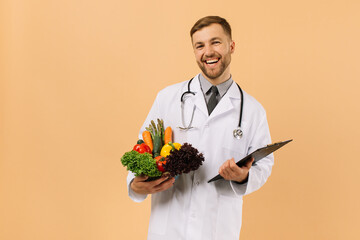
(238, 133)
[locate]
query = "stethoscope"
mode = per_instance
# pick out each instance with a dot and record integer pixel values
(238, 133)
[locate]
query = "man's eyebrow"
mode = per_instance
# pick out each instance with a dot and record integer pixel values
(215, 38)
(212, 39)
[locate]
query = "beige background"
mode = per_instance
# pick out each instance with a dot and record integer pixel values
(78, 78)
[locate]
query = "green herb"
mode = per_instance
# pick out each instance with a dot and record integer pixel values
(140, 163)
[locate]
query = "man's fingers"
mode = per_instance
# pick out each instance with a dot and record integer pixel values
(233, 165)
(160, 180)
(140, 186)
(164, 185)
(249, 163)
(231, 171)
(226, 170)
(141, 178)
(226, 164)
(222, 169)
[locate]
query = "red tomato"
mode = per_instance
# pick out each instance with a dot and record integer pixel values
(161, 166)
(160, 163)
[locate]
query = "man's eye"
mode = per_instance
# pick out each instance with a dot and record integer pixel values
(199, 46)
(216, 42)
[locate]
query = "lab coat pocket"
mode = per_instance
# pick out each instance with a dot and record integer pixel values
(233, 148)
(229, 215)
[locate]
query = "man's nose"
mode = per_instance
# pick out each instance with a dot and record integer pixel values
(209, 51)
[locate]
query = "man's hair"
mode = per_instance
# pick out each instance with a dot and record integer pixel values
(206, 21)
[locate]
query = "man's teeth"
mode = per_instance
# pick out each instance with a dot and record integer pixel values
(212, 61)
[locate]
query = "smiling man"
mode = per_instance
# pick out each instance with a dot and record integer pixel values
(213, 47)
(204, 111)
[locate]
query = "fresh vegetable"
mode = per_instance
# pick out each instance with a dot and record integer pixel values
(162, 130)
(160, 163)
(156, 132)
(142, 148)
(147, 139)
(166, 149)
(140, 163)
(158, 158)
(184, 160)
(168, 135)
(156, 155)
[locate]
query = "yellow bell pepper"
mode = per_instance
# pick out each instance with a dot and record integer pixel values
(166, 149)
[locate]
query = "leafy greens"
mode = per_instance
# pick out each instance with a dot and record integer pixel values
(140, 163)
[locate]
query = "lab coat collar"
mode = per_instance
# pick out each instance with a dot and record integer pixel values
(223, 106)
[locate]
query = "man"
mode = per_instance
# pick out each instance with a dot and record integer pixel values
(190, 208)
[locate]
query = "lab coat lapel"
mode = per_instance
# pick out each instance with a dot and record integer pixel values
(226, 103)
(199, 99)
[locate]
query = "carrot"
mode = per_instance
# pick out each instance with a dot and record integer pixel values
(147, 139)
(168, 135)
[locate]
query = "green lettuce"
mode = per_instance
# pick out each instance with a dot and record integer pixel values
(140, 163)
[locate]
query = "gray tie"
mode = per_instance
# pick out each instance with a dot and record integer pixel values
(213, 100)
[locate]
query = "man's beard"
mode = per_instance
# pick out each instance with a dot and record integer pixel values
(215, 74)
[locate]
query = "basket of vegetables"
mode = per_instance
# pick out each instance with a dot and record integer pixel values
(156, 155)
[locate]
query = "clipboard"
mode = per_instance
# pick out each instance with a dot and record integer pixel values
(257, 155)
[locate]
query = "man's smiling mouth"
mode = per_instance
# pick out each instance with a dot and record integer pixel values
(212, 61)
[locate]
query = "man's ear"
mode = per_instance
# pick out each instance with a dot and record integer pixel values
(232, 46)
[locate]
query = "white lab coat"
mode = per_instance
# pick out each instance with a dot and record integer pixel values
(193, 209)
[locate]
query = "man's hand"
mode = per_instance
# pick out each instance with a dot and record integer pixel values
(141, 187)
(230, 171)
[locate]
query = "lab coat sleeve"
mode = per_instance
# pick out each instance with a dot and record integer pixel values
(259, 172)
(133, 195)
(153, 114)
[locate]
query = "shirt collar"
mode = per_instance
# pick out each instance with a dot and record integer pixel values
(222, 87)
